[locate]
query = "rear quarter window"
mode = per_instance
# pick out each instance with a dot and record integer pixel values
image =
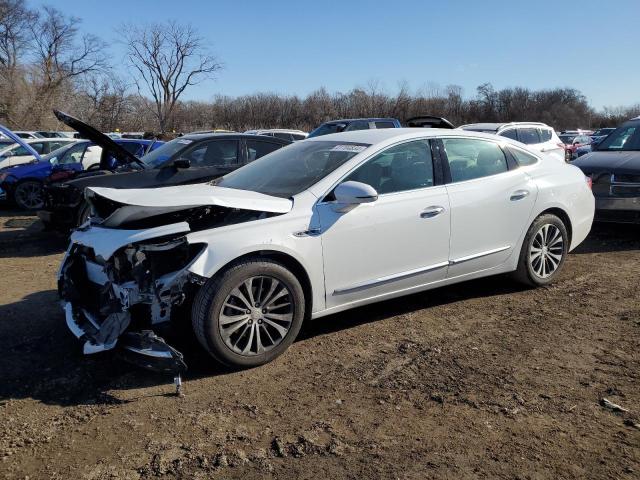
(385, 125)
(523, 158)
(545, 134)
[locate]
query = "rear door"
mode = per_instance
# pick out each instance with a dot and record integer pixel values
(491, 202)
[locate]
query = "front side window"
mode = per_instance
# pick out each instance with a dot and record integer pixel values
(162, 154)
(73, 154)
(528, 136)
(470, 158)
(292, 169)
(257, 149)
(623, 138)
(408, 166)
(216, 153)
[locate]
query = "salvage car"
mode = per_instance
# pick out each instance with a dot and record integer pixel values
(614, 168)
(23, 184)
(321, 226)
(538, 136)
(184, 160)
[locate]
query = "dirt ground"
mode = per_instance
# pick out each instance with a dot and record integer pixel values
(479, 380)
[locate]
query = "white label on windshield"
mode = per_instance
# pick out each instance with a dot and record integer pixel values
(348, 148)
(185, 141)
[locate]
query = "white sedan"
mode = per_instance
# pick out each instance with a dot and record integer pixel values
(16, 154)
(321, 226)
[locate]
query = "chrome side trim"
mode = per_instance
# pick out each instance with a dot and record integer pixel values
(478, 255)
(389, 278)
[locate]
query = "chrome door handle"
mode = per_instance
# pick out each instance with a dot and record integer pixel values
(431, 212)
(519, 195)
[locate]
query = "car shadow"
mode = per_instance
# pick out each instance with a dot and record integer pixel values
(41, 360)
(610, 237)
(23, 235)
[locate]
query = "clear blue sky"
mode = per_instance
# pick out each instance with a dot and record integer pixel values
(294, 47)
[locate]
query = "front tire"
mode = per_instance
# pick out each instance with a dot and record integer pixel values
(544, 251)
(250, 313)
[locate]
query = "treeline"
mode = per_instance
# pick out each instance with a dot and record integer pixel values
(46, 62)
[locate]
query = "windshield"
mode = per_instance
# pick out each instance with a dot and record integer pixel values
(161, 154)
(624, 138)
(327, 128)
(291, 169)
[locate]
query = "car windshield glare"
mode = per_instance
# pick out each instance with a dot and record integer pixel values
(290, 170)
(624, 138)
(161, 154)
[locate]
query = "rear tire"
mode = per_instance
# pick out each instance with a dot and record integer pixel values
(543, 252)
(250, 313)
(29, 195)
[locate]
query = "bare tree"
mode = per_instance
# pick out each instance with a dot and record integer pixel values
(167, 58)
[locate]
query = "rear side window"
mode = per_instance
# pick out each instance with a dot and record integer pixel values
(257, 149)
(511, 133)
(545, 134)
(528, 136)
(385, 125)
(471, 158)
(523, 158)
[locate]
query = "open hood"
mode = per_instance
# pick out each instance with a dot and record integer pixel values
(429, 121)
(8, 133)
(98, 138)
(136, 204)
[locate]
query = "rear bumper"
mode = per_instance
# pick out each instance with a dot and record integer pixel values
(618, 210)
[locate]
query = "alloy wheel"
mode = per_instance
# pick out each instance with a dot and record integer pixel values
(546, 251)
(256, 316)
(28, 195)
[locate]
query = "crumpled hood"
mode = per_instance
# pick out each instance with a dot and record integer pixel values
(144, 202)
(610, 162)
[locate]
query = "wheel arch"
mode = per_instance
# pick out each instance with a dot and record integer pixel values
(288, 261)
(562, 215)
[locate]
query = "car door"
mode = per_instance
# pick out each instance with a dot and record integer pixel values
(491, 202)
(399, 241)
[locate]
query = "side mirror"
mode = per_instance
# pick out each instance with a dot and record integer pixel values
(354, 193)
(182, 163)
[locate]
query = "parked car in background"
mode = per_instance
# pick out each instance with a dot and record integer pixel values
(577, 142)
(322, 226)
(291, 135)
(597, 137)
(185, 160)
(614, 169)
(27, 134)
(16, 154)
(538, 136)
(349, 125)
(50, 134)
(23, 184)
(217, 130)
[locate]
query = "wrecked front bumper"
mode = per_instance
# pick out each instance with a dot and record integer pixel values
(116, 293)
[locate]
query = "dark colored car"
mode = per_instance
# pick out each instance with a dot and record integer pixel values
(347, 125)
(185, 160)
(23, 183)
(614, 168)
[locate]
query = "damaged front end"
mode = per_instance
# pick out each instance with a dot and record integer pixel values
(139, 285)
(127, 271)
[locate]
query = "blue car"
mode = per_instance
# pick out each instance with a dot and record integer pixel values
(22, 184)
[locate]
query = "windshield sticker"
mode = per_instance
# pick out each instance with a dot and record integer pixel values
(349, 148)
(184, 141)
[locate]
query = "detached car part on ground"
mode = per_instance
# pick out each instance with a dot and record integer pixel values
(614, 168)
(321, 226)
(185, 160)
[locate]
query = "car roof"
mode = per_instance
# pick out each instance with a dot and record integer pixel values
(381, 135)
(369, 119)
(498, 125)
(231, 136)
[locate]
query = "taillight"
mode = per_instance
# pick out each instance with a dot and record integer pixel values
(589, 181)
